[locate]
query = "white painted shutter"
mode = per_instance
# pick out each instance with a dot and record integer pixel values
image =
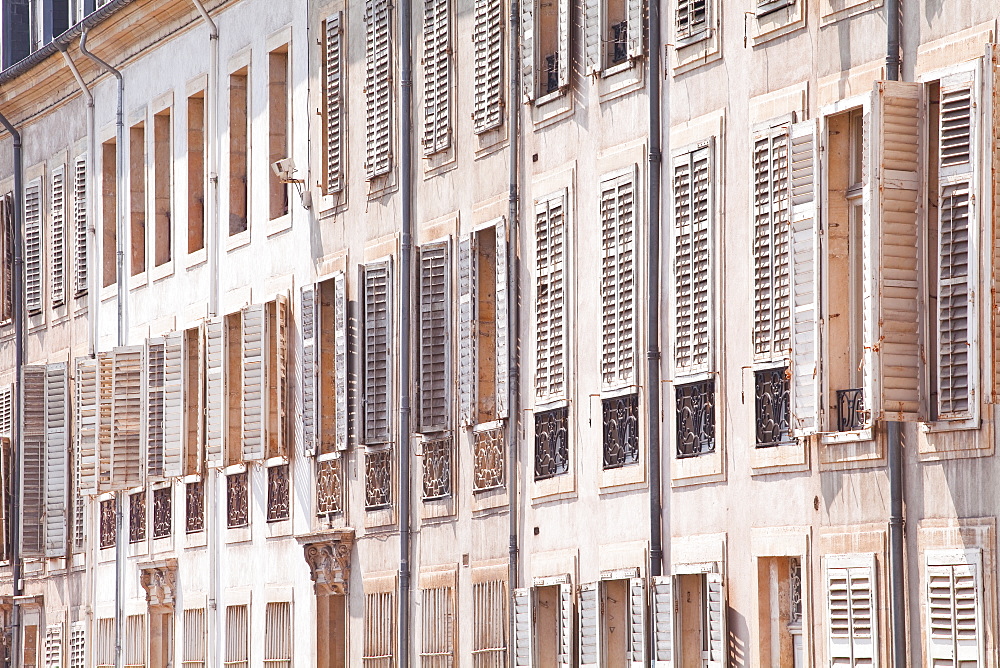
(378, 88)
(892, 196)
(194, 402)
(635, 30)
(592, 36)
(85, 427)
(276, 377)
(637, 622)
(215, 391)
(435, 337)
(378, 343)
(565, 56)
(33, 247)
(565, 656)
(155, 369)
(126, 417)
(550, 297)
(618, 312)
(524, 628)
(340, 357)
(80, 273)
(487, 39)
(310, 395)
(437, 75)
(56, 458)
(7, 411)
(78, 644)
(691, 19)
(105, 404)
(173, 405)
(57, 238)
(254, 388)
(591, 602)
(717, 612)
(852, 613)
(954, 631)
(803, 174)
(991, 127)
(54, 646)
(528, 49)
(501, 318)
(334, 104)
(33, 462)
(957, 249)
(467, 330)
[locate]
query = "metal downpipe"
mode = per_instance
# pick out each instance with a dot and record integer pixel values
(897, 553)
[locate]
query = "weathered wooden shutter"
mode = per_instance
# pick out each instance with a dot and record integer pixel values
(803, 174)
(954, 606)
(126, 417)
(852, 613)
(155, 372)
(378, 88)
(105, 404)
(340, 357)
(54, 645)
(437, 75)
(7, 411)
(693, 267)
(892, 196)
(6, 484)
(56, 458)
(957, 323)
(173, 405)
(487, 38)
(502, 320)
(310, 392)
(637, 622)
(635, 30)
(378, 341)
(85, 427)
(254, 389)
(565, 55)
(276, 378)
(467, 330)
(80, 226)
(565, 656)
(528, 50)
(550, 297)
(691, 19)
(991, 127)
(33, 247)
(718, 641)
(33, 462)
(78, 644)
(57, 238)
(215, 391)
(7, 222)
(334, 104)
(524, 628)
(618, 312)
(591, 602)
(194, 401)
(435, 337)
(593, 37)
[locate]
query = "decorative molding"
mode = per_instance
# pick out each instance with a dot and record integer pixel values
(328, 554)
(159, 579)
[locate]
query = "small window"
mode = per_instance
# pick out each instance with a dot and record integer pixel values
(109, 211)
(691, 20)
(278, 493)
(196, 172)
(239, 151)
(162, 187)
(378, 479)
(238, 500)
(109, 529)
(551, 443)
(549, 53)
(616, 32)
(329, 488)
(137, 197)
(194, 503)
(162, 512)
(772, 402)
(695, 415)
(137, 517)
(277, 118)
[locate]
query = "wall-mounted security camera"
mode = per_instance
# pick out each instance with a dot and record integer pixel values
(284, 169)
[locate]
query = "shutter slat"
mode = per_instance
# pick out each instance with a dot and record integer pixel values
(661, 608)
(155, 403)
(56, 459)
(378, 88)
(437, 76)
(33, 462)
(378, 339)
(693, 223)
(126, 417)
(105, 402)
(618, 280)
(487, 38)
(434, 336)
(550, 291)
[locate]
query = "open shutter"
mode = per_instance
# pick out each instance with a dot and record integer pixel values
(310, 395)
(334, 104)
(592, 37)
(467, 329)
(435, 339)
(215, 391)
(378, 342)
(528, 49)
(277, 382)
(194, 411)
(254, 390)
(33, 247)
(33, 462)
(637, 622)
(56, 459)
(340, 357)
(717, 612)
(7, 411)
(565, 656)
(565, 56)
(80, 226)
(590, 624)
(155, 369)
(173, 405)
(437, 75)
(954, 609)
(78, 644)
(852, 615)
(378, 88)
(126, 417)
(892, 192)
(85, 428)
(105, 402)
(502, 322)
(54, 646)
(635, 29)
(803, 174)
(524, 628)
(57, 237)
(661, 606)
(487, 39)
(992, 128)
(958, 249)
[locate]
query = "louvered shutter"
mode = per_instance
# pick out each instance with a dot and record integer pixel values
(565, 56)
(717, 612)
(637, 622)
(591, 602)
(80, 274)
(56, 458)
(991, 126)
(254, 388)
(892, 198)
(33, 247)
(85, 428)
(126, 417)
(340, 357)
(501, 318)
(334, 104)
(435, 338)
(618, 280)
(33, 462)
(565, 656)
(437, 75)
(155, 370)
(957, 249)
(852, 614)
(7, 221)
(803, 174)
(528, 49)
(550, 297)
(467, 330)
(592, 35)
(57, 238)
(691, 19)
(693, 266)
(635, 29)
(194, 401)
(524, 628)
(54, 646)
(954, 631)
(78, 644)
(6, 485)
(662, 625)
(105, 404)
(378, 340)
(276, 379)
(215, 391)
(310, 394)
(378, 88)
(173, 405)
(7, 411)
(487, 39)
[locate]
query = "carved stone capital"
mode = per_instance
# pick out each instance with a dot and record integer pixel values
(329, 557)
(159, 579)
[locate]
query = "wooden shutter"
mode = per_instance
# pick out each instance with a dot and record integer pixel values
(693, 266)
(56, 459)
(661, 608)
(378, 88)
(254, 388)
(892, 198)
(618, 311)
(80, 209)
(635, 28)
(958, 249)
(637, 622)
(435, 337)
(173, 405)
(194, 400)
(803, 174)
(565, 55)
(565, 656)
(524, 628)
(467, 330)
(550, 297)
(691, 19)
(78, 644)
(591, 617)
(277, 381)
(852, 613)
(105, 403)
(33, 462)
(593, 37)
(215, 391)
(33, 247)
(376, 283)
(334, 104)
(954, 604)
(487, 39)
(992, 129)
(528, 49)
(437, 75)
(85, 427)
(7, 411)
(340, 357)
(54, 645)
(57, 238)
(717, 612)
(126, 417)
(502, 320)
(310, 388)
(155, 400)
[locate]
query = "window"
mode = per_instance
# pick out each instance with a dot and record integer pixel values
(379, 648)
(613, 33)
(233, 379)
(324, 366)
(378, 479)
(162, 512)
(487, 39)
(378, 340)
(137, 196)
(488, 458)
(691, 21)
(237, 636)
(613, 623)
(771, 258)
(196, 172)
(277, 118)
(621, 430)
(239, 151)
(194, 638)
(191, 455)
(779, 602)
(56, 459)
(194, 506)
(437, 623)
(7, 298)
(378, 88)
(543, 623)
(33, 251)
(264, 350)
(162, 187)
(689, 618)
(215, 395)
(765, 7)
(104, 650)
(953, 629)
(126, 417)
(155, 402)
(137, 517)
(771, 403)
(57, 238)
(545, 47)
(161, 637)
(437, 467)
(81, 273)
(852, 611)
(695, 415)
(33, 463)
(278, 493)
(278, 635)
(618, 304)
(329, 488)
(489, 622)
(85, 417)
(333, 99)
(109, 209)
(134, 646)
(435, 338)
(438, 75)
(237, 500)
(109, 529)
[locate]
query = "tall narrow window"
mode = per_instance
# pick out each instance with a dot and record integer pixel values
(34, 253)
(234, 385)
(954, 602)
(239, 151)
(333, 100)
(780, 606)
(237, 636)
(324, 366)
(437, 75)
(378, 88)
(57, 238)
(488, 39)
(137, 517)
(277, 120)
(109, 210)
(435, 338)
(104, 647)
(137, 197)
(278, 635)
(379, 649)
(162, 187)
(489, 623)
(194, 401)
(78, 644)
(438, 626)
(134, 647)
(196, 172)
(194, 638)
(545, 52)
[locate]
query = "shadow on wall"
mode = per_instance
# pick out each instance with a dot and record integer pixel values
(739, 647)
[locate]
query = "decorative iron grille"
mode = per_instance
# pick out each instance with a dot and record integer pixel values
(551, 443)
(773, 405)
(162, 512)
(378, 479)
(195, 501)
(552, 72)
(109, 527)
(489, 451)
(851, 413)
(437, 468)
(621, 431)
(137, 517)
(329, 496)
(795, 590)
(238, 500)
(619, 42)
(695, 412)
(278, 493)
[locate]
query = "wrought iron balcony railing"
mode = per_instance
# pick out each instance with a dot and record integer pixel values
(695, 416)
(772, 399)
(851, 413)
(551, 443)
(621, 430)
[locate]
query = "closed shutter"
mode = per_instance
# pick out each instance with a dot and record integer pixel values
(892, 193)
(33, 247)
(310, 393)
(215, 391)
(155, 371)
(716, 613)
(954, 632)
(957, 249)
(80, 210)
(378, 88)
(254, 389)
(565, 656)
(7, 411)
(804, 180)
(691, 19)
(105, 404)
(637, 622)
(618, 312)
(502, 322)
(57, 238)
(565, 57)
(661, 606)
(437, 75)
(591, 616)
(56, 459)
(992, 128)
(435, 338)
(126, 417)
(635, 28)
(334, 104)
(173, 405)
(467, 330)
(592, 36)
(550, 297)
(54, 646)
(528, 49)
(487, 39)
(852, 614)
(33, 462)
(523, 628)
(693, 267)
(340, 357)
(78, 644)
(7, 277)
(85, 427)
(376, 282)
